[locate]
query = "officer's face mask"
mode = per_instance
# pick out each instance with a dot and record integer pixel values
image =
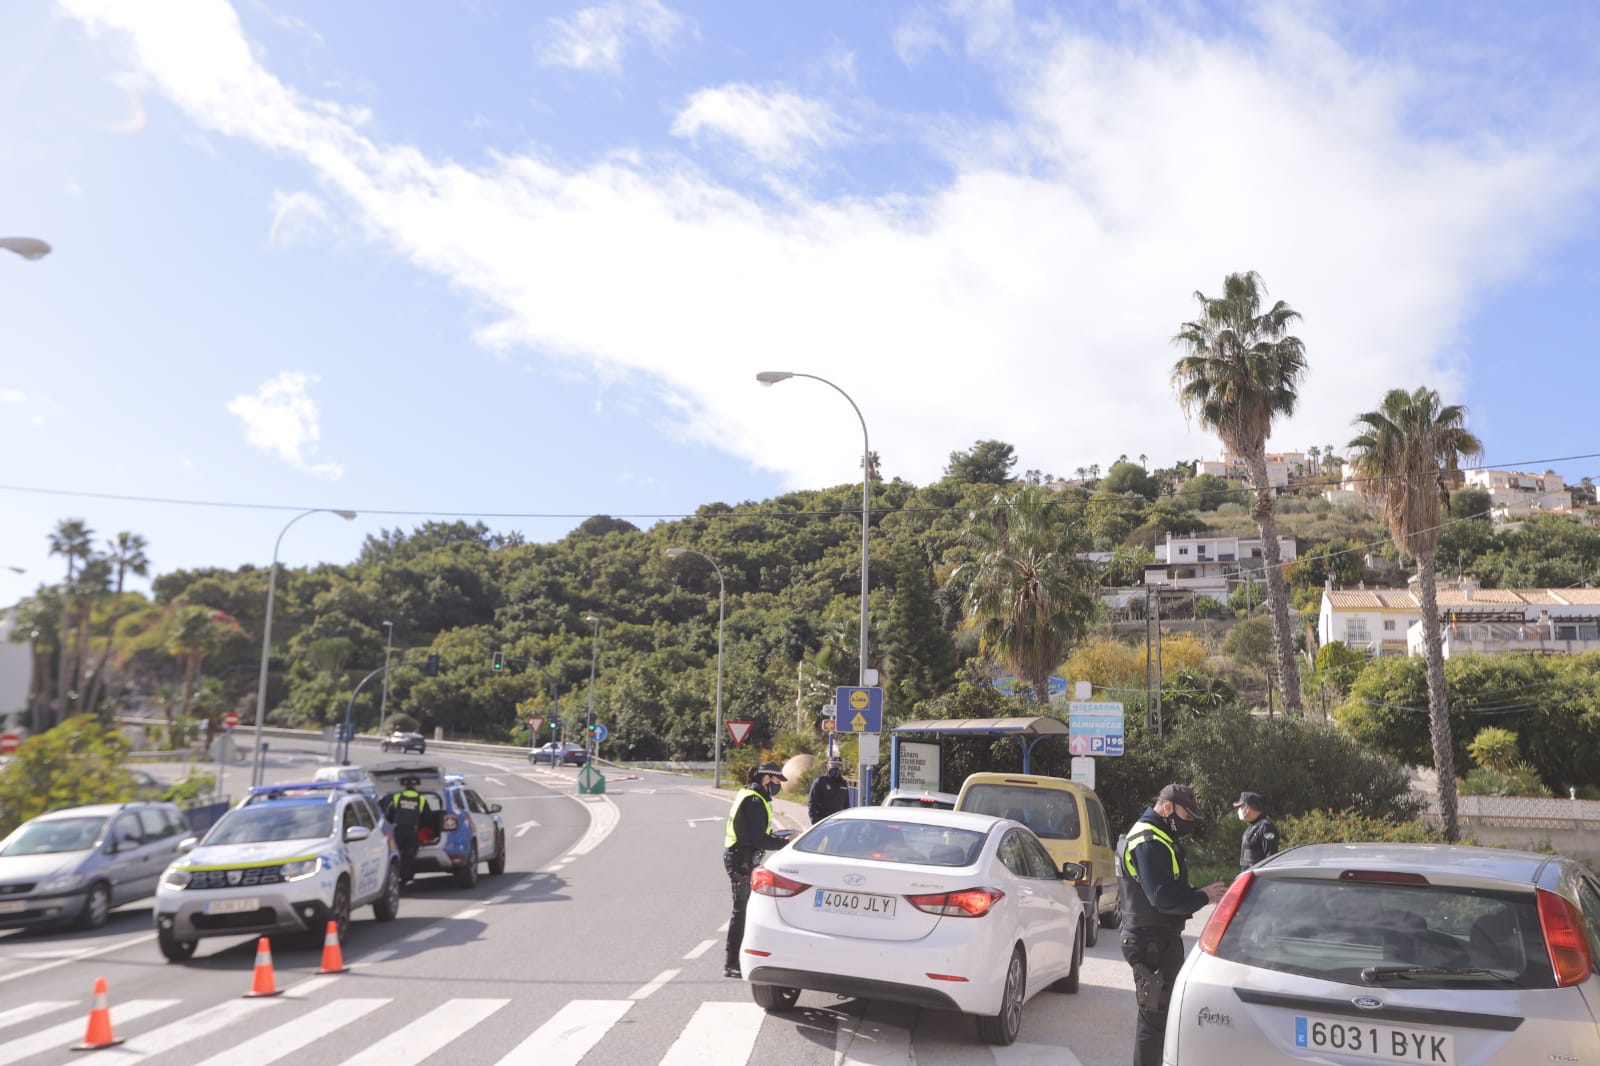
(772, 788)
(1242, 816)
(1179, 826)
(834, 771)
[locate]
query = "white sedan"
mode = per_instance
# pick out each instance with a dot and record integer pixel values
(941, 909)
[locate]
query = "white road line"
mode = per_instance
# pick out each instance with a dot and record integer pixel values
(376, 957)
(867, 1040)
(293, 1035)
(424, 934)
(59, 1036)
(494, 780)
(654, 983)
(416, 1041)
(191, 1028)
(1034, 1055)
(29, 1011)
(77, 956)
(498, 899)
(700, 949)
(719, 1034)
(568, 1036)
(723, 928)
(312, 984)
(470, 912)
(603, 816)
(713, 818)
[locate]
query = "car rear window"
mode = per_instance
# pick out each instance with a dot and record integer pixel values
(1335, 930)
(900, 841)
(920, 801)
(1051, 813)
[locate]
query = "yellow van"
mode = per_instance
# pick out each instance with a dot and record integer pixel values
(1068, 819)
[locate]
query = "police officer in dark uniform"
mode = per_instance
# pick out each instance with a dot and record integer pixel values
(405, 811)
(1261, 839)
(830, 793)
(1157, 900)
(749, 833)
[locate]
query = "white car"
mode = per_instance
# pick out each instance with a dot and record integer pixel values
(289, 859)
(940, 909)
(921, 798)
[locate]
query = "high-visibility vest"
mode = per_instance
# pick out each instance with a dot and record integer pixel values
(729, 837)
(1137, 910)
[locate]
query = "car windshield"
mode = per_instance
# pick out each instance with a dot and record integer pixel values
(255, 825)
(1372, 933)
(1051, 813)
(899, 841)
(54, 835)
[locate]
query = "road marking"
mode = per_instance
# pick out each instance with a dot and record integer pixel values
(31, 1010)
(498, 899)
(53, 1038)
(714, 818)
(523, 827)
(191, 1028)
(1034, 1055)
(867, 1040)
(312, 984)
(416, 1041)
(719, 1034)
(654, 983)
(470, 912)
(376, 957)
(424, 934)
(291, 1036)
(494, 780)
(143, 938)
(568, 1036)
(723, 928)
(603, 817)
(700, 949)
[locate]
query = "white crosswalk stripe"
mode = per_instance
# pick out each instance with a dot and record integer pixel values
(287, 1039)
(182, 1031)
(719, 1034)
(566, 1038)
(414, 1042)
(29, 1011)
(60, 1036)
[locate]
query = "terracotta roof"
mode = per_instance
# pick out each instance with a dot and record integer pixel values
(1371, 599)
(1456, 599)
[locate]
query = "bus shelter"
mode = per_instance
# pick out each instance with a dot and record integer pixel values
(1028, 733)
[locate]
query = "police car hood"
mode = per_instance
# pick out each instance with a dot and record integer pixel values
(258, 854)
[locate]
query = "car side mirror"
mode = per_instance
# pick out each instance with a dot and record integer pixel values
(356, 832)
(494, 808)
(1073, 871)
(111, 847)
(187, 844)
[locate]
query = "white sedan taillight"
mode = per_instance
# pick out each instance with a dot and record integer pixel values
(968, 903)
(767, 883)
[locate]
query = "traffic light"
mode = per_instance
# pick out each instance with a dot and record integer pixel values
(591, 731)
(431, 667)
(499, 660)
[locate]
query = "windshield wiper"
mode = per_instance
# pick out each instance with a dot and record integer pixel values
(1376, 974)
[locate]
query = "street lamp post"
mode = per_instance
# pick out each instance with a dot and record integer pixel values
(772, 377)
(594, 661)
(266, 631)
(383, 701)
(722, 603)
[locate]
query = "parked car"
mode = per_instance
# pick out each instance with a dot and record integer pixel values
(459, 829)
(1070, 820)
(559, 753)
(75, 864)
(147, 786)
(289, 859)
(939, 909)
(911, 797)
(403, 742)
(1414, 953)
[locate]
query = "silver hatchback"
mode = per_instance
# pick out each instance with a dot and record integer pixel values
(1410, 953)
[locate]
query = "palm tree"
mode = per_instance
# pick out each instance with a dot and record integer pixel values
(1405, 448)
(1242, 370)
(91, 586)
(193, 633)
(127, 552)
(1031, 592)
(71, 539)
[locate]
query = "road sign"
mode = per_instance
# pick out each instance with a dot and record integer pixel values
(1083, 772)
(739, 731)
(1095, 728)
(535, 724)
(590, 780)
(860, 709)
(600, 732)
(829, 725)
(9, 743)
(230, 719)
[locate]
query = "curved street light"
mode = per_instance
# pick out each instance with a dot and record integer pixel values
(722, 602)
(772, 377)
(266, 631)
(27, 247)
(594, 661)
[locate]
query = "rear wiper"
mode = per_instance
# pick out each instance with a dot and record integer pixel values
(1375, 974)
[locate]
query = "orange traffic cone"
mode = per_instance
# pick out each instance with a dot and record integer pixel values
(332, 958)
(263, 983)
(98, 1035)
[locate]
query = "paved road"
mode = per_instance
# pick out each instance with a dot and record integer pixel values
(600, 945)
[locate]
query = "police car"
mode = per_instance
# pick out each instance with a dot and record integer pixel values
(290, 858)
(459, 830)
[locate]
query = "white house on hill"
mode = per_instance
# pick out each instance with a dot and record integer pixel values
(1475, 620)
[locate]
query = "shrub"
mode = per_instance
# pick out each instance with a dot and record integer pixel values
(1325, 826)
(399, 723)
(1209, 607)
(1517, 779)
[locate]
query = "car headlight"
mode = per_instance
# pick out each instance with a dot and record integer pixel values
(176, 877)
(63, 883)
(299, 871)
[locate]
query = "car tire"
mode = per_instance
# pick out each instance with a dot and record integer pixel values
(1002, 1028)
(338, 911)
(173, 949)
(385, 747)
(1091, 924)
(773, 998)
(1113, 919)
(467, 872)
(96, 906)
(422, 749)
(497, 865)
(1070, 982)
(387, 906)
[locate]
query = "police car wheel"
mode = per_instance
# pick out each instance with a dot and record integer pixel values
(387, 906)
(497, 865)
(173, 949)
(467, 872)
(339, 911)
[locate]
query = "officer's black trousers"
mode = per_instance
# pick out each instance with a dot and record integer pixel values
(1156, 958)
(738, 864)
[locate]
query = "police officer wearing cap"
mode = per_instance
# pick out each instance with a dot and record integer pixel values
(405, 811)
(749, 833)
(1157, 901)
(830, 793)
(1261, 839)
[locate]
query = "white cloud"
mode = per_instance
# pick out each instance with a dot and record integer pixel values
(296, 217)
(595, 38)
(13, 396)
(282, 418)
(1031, 298)
(778, 127)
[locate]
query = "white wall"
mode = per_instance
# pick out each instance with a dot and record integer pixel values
(16, 666)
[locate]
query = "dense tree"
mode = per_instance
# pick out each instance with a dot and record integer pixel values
(1207, 492)
(79, 762)
(1403, 453)
(921, 653)
(1125, 477)
(1242, 371)
(988, 462)
(127, 555)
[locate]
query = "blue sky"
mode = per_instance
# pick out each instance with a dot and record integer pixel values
(524, 259)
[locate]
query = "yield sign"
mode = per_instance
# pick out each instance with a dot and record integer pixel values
(739, 731)
(534, 725)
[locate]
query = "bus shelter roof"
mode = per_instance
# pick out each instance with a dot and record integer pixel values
(1043, 726)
